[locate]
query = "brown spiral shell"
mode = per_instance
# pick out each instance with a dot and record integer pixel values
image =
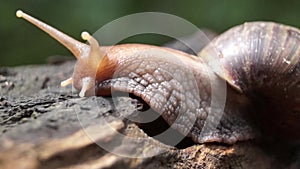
(261, 59)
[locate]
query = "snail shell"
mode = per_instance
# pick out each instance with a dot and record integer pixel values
(259, 61)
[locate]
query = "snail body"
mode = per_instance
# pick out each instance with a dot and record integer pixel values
(259, 62)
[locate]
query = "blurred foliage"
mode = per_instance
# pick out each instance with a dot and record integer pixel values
(22, 43)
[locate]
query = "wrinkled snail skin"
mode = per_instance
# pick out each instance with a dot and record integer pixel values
(259, 61)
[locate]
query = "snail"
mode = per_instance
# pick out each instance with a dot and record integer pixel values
(259, 62)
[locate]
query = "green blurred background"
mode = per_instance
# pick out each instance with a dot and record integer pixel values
(22, 43)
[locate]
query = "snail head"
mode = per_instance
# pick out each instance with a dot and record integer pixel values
(88, 56)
